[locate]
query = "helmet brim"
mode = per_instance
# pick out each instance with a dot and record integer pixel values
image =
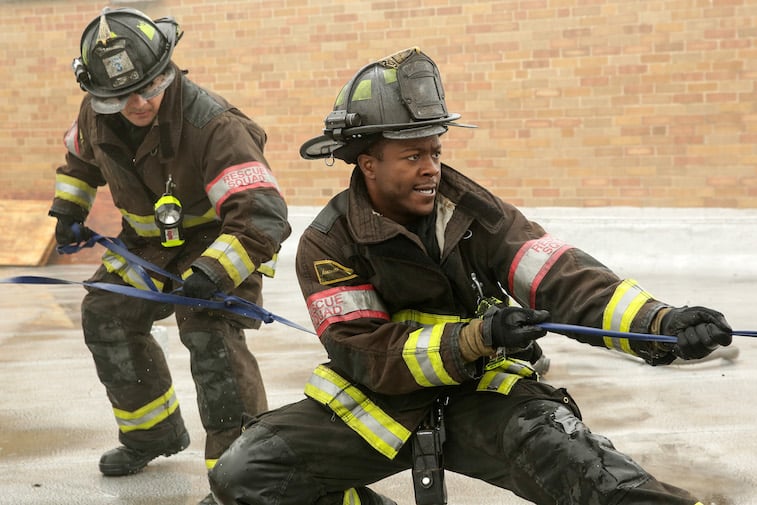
(324, 146)
(415, 133)
(110, 105)
(115, 104)
(320, 147)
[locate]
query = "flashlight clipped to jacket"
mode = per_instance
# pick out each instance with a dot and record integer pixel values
(168, 217)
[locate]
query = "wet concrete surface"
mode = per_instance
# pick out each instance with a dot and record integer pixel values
(692, 425)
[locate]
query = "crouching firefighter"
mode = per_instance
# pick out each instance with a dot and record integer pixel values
(415, 366)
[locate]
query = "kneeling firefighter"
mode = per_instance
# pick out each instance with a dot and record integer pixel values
(408, 275)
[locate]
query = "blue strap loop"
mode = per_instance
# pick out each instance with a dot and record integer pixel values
(220, 301)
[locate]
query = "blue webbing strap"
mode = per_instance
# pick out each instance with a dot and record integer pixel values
(232, 304)
(246, 308)
(585, 330)
(220, 301)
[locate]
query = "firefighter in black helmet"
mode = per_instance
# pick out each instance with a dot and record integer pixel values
(122, 50)
(187, 171)
(407, 276)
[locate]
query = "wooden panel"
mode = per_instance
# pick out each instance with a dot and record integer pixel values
(28, 233)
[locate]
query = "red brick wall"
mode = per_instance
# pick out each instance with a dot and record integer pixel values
(579, 103)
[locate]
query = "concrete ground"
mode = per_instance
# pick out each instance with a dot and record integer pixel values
(692, 425)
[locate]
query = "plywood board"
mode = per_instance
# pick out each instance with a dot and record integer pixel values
(27, 233)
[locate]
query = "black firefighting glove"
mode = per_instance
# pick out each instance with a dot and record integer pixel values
(512, 327)
(699, 331)
(70, 231)
(199, 285)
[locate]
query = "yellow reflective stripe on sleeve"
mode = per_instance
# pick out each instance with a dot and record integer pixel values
(115, 263)
(625, 303)
(422, 357)
(421, 350)
(351, 497)
(268, 268)
(230, 253)
(149, 415)
(425, 318)
(210, 463)
(75, 191)
(366, 418)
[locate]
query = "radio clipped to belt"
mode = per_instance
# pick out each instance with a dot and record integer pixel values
(428, 459)
(168, 217)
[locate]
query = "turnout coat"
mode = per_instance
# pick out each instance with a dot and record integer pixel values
(235, 217)
(389, 314)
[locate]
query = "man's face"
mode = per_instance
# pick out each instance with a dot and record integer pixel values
(141, 112)
(402, 177)
(143, 105)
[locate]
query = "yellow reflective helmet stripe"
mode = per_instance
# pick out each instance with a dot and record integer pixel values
(362, 90)
(366, 418)
(625, 303)
(148, 415)
(75, 191)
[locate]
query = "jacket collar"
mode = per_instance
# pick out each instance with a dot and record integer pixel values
(470, 200)
(170, 117)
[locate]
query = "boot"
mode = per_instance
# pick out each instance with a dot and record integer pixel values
(208, 500)
(125, 461)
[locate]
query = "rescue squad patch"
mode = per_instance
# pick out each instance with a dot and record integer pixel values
(330, 272)
(344, 303)
(242, 177)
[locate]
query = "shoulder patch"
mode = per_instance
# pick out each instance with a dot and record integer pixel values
(330, 272)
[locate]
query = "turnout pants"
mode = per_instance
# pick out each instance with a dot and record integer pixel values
(132, 367)
(531, 442)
